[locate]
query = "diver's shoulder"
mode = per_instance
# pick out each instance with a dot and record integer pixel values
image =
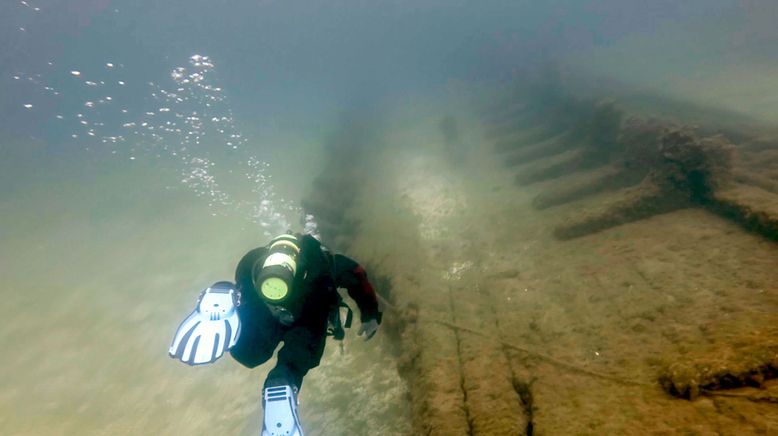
(254, 254)
(246, 263)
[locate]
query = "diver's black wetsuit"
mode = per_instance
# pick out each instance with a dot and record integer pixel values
(318, 276)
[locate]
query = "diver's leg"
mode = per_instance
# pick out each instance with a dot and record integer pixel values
(302, 351)
(259, 336)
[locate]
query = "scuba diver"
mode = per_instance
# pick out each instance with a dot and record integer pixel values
(285, 291)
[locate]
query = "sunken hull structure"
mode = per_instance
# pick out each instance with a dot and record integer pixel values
(611, 273)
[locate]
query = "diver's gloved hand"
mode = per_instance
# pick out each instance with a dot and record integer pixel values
(369, 328)
(211, 329)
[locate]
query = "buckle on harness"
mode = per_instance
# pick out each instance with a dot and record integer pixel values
(336, 323)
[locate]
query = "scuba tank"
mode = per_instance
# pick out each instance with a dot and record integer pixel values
(274, 280)
(279, 281)
(276, 277)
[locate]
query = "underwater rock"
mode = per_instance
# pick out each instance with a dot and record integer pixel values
(692, 378)
(692, 165)
(754, 208)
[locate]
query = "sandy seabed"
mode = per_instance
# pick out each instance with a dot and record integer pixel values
(507, 330)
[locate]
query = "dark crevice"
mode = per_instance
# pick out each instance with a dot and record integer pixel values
(523, 405)
(457, 337)
(524, 390)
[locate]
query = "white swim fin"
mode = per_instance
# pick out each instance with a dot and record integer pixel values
(211, 329)
(281, 417)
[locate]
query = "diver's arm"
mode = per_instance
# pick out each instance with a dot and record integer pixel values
(352, 276)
